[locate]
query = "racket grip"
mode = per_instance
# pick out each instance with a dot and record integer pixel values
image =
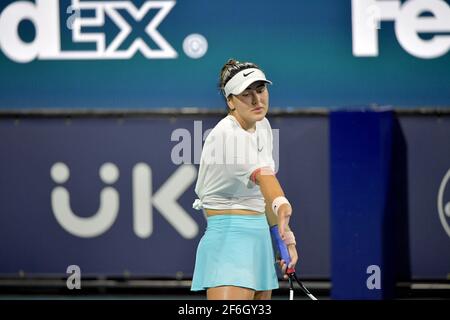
(282, 248)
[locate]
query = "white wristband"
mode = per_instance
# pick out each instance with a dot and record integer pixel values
(276, 204)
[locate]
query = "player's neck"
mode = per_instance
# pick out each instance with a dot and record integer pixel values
(247, 126)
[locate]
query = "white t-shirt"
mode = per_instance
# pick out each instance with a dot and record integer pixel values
(229, 157)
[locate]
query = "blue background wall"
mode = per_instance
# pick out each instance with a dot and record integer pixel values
(32, 240)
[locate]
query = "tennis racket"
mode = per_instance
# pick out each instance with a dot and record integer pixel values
(284, 253)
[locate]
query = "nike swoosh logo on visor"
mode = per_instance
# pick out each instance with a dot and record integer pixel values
(246, 74)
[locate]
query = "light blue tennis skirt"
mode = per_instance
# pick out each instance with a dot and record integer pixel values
(236, 250)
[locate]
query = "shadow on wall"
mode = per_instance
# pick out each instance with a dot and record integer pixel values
(397, 207)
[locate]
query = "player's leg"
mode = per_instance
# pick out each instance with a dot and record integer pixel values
(263, 295)
(229, 293)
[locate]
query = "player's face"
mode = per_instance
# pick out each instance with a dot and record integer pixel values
(252, 104)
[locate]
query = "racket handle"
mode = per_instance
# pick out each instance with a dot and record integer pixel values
(282, 248)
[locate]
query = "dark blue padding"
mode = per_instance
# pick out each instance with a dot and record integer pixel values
(363, 209)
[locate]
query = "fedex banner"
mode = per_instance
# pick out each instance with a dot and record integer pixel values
(168, 54)
(114, 196)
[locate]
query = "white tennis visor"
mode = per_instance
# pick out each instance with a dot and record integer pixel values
(243, 79)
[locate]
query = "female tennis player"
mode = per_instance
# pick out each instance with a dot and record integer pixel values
(240, 194)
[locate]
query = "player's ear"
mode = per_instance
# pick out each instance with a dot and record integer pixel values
(230, 103)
